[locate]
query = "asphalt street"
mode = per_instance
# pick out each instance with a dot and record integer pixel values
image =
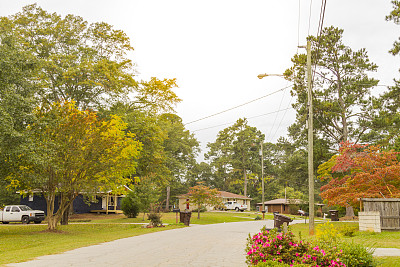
(216, 245)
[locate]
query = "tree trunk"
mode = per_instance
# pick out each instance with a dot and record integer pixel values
(245, 182)
(52, 222)
(198, 212)
(349, 211)
(51, 218)
(167, 201)
(65, 216)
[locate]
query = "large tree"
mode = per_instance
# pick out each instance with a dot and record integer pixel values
(341, 89)
(387, 118)
(46, 58)
(360, 171)
(181, 149)
(17, 99)
(235, 158)
(84, 62)
(71, 151)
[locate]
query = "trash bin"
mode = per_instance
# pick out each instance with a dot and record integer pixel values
(184, 217)
(334, 215)
(279, 219)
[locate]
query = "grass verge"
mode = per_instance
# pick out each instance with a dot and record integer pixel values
(205, 218)
(24, 242)
(385, 239)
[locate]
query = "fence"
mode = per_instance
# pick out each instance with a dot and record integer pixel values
(389, 209)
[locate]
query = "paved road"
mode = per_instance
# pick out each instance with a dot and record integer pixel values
(200, 245)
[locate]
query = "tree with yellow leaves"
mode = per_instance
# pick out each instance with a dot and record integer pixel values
(72, 151)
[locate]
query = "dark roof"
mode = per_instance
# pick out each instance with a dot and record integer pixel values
(281, 201)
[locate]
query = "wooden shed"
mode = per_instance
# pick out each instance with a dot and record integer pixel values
(389, 209)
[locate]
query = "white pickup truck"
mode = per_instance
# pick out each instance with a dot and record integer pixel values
(21, 213)
(232, 205)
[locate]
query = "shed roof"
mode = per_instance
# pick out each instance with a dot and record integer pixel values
(225, 194)
(222, 194)
(279, 201)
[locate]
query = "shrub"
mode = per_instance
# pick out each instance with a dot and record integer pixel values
(357, 255)
(202, 209)
(130, 207)
(327, 233)
(283, 248)
(348, 230)
(258, 217)
(155, 219)
(294, 209)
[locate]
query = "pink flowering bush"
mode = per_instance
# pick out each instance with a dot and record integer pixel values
(283, 248)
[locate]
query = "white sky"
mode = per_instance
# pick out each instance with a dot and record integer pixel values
(217, 48)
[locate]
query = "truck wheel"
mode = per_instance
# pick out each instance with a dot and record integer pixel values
(5, 222)
(25, 220)
(237, 209)
(38, 222)
(241, 210)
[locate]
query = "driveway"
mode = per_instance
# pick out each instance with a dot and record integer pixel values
(198, 245)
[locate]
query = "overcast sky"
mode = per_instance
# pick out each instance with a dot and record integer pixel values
(217, 48)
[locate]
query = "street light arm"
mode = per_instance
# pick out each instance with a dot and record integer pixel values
(260, 76)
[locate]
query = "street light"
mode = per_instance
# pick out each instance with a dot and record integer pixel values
(260, 76)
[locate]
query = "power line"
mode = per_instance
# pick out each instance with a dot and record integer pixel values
(273, 124)
(241, 105)
(298, 29)
(309, 19)
(228, 123)
(284, 114)
(319, 32)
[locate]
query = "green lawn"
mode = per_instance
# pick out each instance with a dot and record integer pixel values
(384, 239)
(205, 218)
(23, 242)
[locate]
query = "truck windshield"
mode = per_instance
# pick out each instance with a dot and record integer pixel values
(24, 208)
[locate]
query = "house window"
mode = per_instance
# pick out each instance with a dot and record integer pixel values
(31, 198)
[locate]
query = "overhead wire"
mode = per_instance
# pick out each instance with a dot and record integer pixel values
(238, 106)
(279, 125)
(298, 29)
(309, 19)
(249, 118)
(319, 32)
(269, 137)
(273, 124)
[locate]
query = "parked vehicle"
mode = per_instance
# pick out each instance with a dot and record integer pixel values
(232, 205)
(21, 213)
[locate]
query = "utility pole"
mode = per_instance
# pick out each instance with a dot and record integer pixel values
(262, 178)
(310, 144)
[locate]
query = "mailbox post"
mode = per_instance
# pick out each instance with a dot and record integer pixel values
(176, 212)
